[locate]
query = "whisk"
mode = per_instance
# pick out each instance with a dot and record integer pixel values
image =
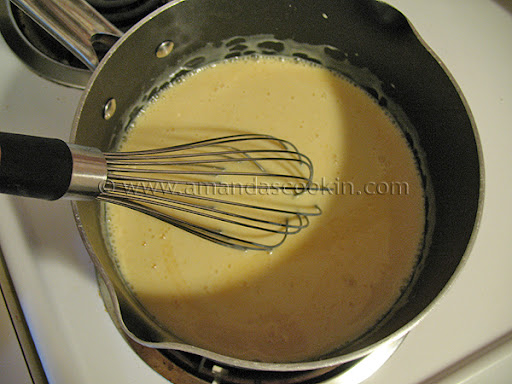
(211, 188)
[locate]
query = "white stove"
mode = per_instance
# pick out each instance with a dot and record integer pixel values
(467, 336)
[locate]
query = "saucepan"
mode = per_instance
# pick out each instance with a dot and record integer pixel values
(129, 68)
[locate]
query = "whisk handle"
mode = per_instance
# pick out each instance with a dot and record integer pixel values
(34, 166)
(49, 169)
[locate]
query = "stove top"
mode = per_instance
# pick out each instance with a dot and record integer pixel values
(468, 332)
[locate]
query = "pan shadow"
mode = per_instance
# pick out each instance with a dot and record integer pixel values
(505, 4)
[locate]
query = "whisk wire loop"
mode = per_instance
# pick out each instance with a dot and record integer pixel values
(155, 182)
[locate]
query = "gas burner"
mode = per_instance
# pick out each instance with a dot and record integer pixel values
(48, 58)
(209, 371)
(186, 368)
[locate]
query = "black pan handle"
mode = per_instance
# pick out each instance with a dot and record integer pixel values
(34, 166)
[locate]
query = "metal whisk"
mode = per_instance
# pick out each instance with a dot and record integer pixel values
(222, 189)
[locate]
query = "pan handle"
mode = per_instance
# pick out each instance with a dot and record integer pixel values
(75, 24)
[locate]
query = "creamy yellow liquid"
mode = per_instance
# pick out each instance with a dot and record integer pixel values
(321, 288)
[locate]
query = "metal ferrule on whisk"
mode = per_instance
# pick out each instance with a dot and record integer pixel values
(89, 173)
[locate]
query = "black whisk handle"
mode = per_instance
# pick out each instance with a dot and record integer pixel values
(34, 166)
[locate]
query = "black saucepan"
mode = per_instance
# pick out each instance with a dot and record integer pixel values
(341, 34)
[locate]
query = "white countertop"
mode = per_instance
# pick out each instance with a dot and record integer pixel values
(51, 269)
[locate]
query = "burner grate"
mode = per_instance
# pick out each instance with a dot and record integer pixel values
(209, 371)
